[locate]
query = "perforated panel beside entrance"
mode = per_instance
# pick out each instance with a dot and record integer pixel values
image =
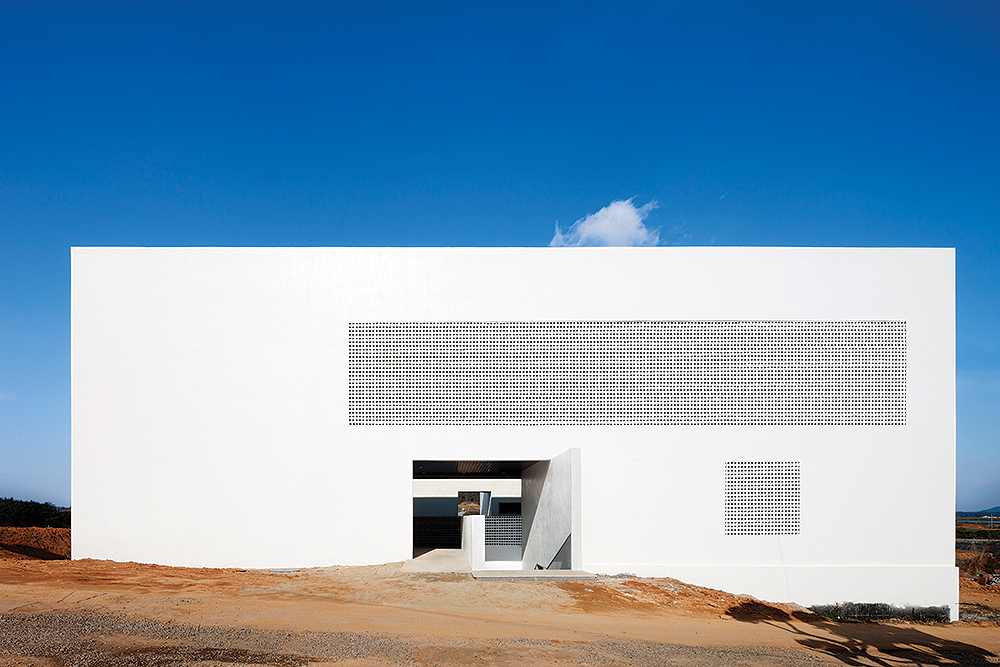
(766, 373)
(503, 531)
(503, 538)
(762, 497)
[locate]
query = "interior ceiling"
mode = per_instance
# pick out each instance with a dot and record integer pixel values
(476, 469)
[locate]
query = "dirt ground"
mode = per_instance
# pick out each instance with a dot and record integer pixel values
(61, 612)
(977, 602)
(34, 543)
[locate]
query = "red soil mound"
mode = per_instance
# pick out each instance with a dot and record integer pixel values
(34, 543)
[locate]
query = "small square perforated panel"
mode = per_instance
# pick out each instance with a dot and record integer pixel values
(762, 497)
(503, 531)
(648, 373)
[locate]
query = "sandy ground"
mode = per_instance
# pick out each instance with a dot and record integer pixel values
(34, 543)
(143, 614)
(56, 612)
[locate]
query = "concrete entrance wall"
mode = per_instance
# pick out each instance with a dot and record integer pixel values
(550, 507)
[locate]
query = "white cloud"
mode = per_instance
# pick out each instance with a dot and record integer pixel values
(619, 223)
(7, 397)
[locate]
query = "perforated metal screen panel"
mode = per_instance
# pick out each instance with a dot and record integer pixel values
(503, 531)
(762, 497)
(649, 373)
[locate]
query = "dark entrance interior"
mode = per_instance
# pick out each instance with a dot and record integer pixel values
(445, 532)
(437, 532)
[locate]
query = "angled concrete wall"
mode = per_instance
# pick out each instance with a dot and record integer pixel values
(550, 507)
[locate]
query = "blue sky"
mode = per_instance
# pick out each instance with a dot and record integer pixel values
(471, 124)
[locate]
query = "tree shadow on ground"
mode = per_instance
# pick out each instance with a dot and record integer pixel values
(32, 552)
(864, 643)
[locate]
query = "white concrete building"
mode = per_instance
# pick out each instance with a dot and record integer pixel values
(771, 421)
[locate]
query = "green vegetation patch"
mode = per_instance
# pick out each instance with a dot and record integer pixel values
(963, 533)
(27, 513)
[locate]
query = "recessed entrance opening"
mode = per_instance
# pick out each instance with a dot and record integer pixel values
(512, 514)
(509, 508)
(445, 491)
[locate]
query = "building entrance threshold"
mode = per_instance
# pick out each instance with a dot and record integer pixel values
(439, 560)
(533, 575)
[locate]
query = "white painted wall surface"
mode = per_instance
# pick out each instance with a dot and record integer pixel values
(474, 540)
(210, 411)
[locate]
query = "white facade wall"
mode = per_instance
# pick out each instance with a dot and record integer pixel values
(210, 412)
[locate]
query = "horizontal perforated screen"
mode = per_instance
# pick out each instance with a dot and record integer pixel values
(762, 497)
(627, 373)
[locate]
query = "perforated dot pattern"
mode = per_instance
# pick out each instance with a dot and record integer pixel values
(762, 497)
(646, 373)
(503, 531)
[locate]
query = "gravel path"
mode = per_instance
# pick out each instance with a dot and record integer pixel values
(99, 639)
(76, 638)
